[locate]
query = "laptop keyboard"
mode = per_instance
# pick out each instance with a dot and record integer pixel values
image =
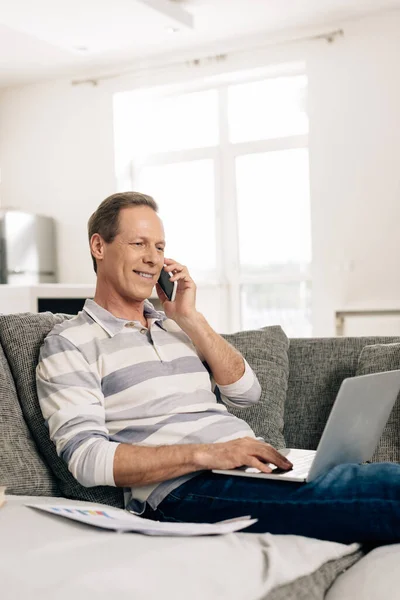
(301, 466)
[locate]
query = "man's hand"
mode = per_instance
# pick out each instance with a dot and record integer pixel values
(225, 362)
(143, 465)
(184, 305)
(241, 452)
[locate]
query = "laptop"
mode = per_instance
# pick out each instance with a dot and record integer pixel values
(361, 410)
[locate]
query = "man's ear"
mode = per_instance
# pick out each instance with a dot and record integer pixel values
(97, 246)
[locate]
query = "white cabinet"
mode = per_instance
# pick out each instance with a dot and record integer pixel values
(368, 322)
(21, 298)
(212, 300)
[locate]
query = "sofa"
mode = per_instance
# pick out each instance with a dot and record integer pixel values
(45, 556)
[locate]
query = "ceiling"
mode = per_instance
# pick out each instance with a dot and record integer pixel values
(54, 38)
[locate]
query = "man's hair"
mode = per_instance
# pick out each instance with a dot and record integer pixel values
(105, 220)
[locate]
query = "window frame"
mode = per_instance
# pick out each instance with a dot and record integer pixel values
(228, 273)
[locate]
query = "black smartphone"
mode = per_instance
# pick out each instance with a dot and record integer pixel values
(167, 286)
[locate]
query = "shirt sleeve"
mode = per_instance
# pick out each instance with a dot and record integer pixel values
(72, 403)
(244, 392)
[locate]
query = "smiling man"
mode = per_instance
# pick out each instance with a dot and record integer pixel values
(129, 397)
(126, 390)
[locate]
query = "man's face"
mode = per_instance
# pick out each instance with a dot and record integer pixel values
(132, 262)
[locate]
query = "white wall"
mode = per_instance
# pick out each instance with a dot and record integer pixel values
(354, 92)
(57, 157)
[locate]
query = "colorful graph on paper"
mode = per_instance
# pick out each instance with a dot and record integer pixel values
(109, 518)
(80, 511)
(121, 520)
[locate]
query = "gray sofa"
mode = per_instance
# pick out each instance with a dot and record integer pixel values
(300, 380)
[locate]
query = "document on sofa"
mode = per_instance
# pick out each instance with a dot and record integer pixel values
(121, 521)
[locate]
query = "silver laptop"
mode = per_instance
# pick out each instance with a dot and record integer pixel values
(352, 432)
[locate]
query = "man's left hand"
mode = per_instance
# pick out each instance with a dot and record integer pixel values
(184, 305)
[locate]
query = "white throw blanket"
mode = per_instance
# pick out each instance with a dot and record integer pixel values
(43, 557)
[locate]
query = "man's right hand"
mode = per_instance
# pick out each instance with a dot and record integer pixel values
(143, 465)
(244, 451)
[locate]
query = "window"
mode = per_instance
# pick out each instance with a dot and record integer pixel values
(275, 108)
(178, 122)
(228, 165)
(273, 210)
(185, 190)
(274, 239)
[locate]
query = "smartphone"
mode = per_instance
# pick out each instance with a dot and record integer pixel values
(168, 287)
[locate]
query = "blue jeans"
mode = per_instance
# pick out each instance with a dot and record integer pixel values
(351, 503)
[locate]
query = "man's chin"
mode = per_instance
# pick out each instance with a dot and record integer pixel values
(140, 295)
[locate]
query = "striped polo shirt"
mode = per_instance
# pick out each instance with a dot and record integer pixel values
(102, 381)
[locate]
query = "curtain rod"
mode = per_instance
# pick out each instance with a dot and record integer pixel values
(329, 37)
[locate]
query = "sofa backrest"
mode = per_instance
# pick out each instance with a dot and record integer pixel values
(317, 367)
(21, 336)
(22, 468)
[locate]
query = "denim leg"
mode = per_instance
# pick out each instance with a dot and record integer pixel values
(350, 503)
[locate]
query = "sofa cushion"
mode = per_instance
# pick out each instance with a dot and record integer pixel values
(62, 559)
(317, 369)
(21, 336)
(22, 469)
(266, 351)
(375, 359)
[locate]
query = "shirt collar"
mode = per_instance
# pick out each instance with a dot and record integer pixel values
(112, 324)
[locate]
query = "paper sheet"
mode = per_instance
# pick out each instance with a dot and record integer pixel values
(120, 520)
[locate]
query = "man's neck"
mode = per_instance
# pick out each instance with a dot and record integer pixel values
(131, 310)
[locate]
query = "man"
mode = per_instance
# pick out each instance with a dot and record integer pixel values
(128, 395)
